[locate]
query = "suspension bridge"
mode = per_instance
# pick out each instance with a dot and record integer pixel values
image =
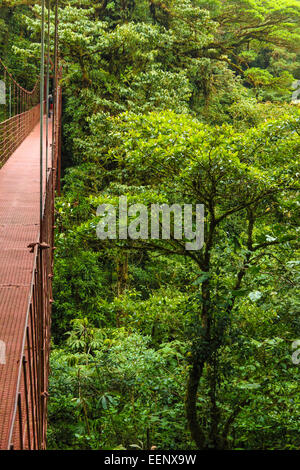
(29, 179)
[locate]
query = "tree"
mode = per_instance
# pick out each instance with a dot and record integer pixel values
(243, 180)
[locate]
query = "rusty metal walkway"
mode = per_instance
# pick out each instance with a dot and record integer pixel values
(19, 227)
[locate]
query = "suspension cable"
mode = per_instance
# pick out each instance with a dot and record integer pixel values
(55, 77)
(15, 95)
(19, 87)
(47, 87)
(42, 84)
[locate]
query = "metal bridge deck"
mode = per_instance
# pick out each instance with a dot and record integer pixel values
(19, 226)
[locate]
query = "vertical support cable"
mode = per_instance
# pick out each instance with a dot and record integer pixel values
(47, 88)
(42, 82)
(54, 85)
(9, 98)
(5, 96)
(40, 252)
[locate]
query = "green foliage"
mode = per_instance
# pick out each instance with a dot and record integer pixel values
(121, 391)
(16, 43)
(251, 228)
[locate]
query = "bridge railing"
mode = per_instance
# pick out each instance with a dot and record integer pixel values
(14, 130)
(28, 426)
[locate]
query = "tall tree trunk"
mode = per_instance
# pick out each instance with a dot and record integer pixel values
(191, 404)
(122, 277)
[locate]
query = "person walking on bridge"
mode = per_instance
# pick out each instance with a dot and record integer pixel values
(50, 104)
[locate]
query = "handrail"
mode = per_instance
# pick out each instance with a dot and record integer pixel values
(28, 425)
(14, 130)
(16, 83)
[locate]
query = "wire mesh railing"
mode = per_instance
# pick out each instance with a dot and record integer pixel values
(19, 112)
(14, 98)
(14, 130)
(28, 426)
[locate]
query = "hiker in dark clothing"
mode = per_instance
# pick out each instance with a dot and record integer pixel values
(50, 105)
